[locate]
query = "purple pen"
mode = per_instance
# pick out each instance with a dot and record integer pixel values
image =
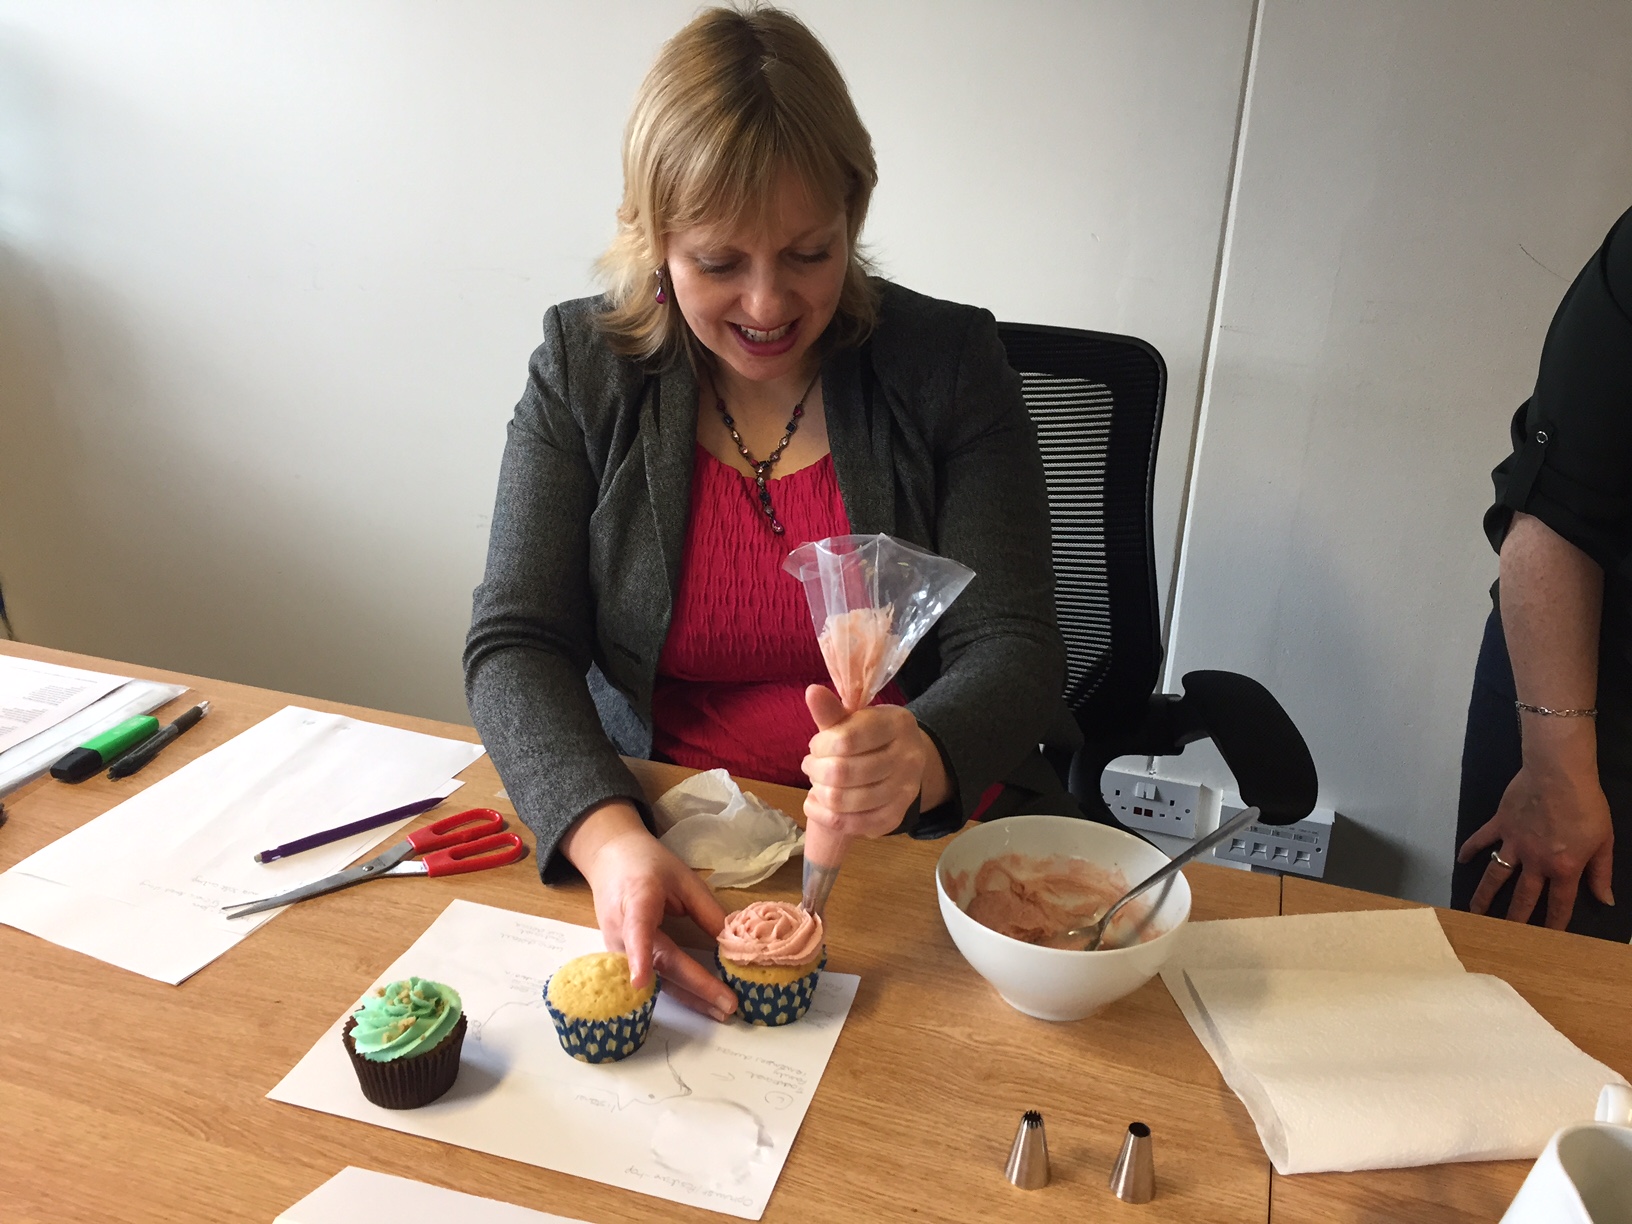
(314, 840)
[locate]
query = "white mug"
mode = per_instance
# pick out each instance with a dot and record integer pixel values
(1584, 1176)
(1615, 1105)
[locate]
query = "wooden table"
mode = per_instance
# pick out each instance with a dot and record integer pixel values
(126, 1099)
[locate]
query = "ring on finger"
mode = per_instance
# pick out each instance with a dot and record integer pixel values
(1496, 857)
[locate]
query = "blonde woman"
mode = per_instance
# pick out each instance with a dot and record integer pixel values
(742, 387)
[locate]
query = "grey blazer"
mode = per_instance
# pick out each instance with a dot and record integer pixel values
(931, 443)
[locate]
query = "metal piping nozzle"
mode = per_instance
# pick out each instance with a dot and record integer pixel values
(1133, 1180)
(1028, 1160)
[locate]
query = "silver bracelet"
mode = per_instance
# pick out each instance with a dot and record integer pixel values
(1525, 708)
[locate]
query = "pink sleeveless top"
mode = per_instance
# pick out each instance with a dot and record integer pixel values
(730, 688)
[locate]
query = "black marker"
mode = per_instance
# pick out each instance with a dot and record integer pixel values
(144, 752)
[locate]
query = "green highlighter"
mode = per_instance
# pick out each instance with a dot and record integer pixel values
(91, 757)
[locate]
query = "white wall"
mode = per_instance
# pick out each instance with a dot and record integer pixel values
(270, 272)
(1419, 184)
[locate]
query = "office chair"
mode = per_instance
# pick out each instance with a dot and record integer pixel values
(1096, 401)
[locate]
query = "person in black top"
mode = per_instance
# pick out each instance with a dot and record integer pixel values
(1545, 815)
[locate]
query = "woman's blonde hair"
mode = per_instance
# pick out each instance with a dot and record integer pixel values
(734, 100)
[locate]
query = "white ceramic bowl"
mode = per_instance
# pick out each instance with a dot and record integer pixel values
(1051, 983)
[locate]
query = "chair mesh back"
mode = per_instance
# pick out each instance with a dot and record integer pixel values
(1096, 402)
(1073, 420)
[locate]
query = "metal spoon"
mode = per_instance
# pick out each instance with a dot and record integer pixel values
(1095, 930)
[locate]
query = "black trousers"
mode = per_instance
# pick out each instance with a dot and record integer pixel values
(1491, 757)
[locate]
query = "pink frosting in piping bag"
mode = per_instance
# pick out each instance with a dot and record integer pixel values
(871, 599)
(859, 647)
(771, 933)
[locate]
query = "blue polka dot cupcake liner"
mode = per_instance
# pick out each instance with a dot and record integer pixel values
(602, 1041)
(770, 1004)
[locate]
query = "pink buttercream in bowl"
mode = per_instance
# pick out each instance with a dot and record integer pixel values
(771, 933)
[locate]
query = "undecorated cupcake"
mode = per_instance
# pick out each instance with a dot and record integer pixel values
(598, 1015)
(404, 1041)
(772, 955)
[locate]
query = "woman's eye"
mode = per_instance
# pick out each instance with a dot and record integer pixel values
(811, 257)
(715, 269)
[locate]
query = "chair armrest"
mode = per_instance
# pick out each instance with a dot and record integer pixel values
(1272, 766)
(1270, 762)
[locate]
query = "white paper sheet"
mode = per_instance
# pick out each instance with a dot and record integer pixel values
(702, 1114)
(34, 696)
(361, 1194)
(141, 886)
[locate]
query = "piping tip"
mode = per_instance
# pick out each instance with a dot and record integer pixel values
(817, 883)
(1133, 1179)
(1028, 1160)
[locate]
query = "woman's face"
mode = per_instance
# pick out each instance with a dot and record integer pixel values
(760, 298)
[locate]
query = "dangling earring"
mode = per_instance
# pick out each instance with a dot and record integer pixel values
(662, 297)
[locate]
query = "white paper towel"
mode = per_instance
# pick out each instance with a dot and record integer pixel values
(1346, 1071)
(710, 822)
(1358, 1041)
(1376, 941)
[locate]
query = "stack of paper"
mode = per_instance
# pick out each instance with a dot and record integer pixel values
(47, 709)
(1358, 1041)
(142, 885)
(34, 697)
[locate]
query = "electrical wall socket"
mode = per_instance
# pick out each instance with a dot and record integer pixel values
(1156, 805)
(1301, 848)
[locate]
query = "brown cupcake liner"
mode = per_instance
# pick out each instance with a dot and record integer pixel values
(412, 1080)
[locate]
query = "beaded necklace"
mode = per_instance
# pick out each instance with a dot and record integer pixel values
(762, 467)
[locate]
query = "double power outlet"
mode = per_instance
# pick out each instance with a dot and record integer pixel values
(1188, 810)
(1157, 805)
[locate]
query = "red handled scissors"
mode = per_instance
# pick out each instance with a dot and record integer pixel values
(465, 841)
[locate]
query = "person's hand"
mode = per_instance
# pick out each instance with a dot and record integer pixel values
(1553, 825)
(866, 768)
(636, 881)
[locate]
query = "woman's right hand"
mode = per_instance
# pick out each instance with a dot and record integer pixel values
(636, 881)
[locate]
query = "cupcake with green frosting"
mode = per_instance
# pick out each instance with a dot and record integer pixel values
(404, 1040)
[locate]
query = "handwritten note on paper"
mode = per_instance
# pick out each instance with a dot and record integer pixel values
(703, 1113)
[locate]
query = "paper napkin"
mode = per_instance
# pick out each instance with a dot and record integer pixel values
(1358, 1041)
(711, 822)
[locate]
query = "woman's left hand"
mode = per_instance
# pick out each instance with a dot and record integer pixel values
(866, 768)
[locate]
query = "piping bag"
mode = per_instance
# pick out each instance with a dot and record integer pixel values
(872, 599)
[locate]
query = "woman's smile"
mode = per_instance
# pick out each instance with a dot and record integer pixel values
(771, 342)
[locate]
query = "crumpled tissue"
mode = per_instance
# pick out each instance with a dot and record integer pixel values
(711, 822)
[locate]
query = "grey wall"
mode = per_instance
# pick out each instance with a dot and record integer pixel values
(269, 274)
(1419, 183)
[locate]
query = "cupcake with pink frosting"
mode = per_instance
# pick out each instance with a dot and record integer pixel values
(772, 955)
